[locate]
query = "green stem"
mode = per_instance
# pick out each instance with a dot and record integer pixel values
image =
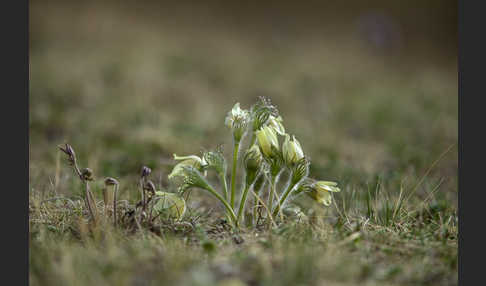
(272, 193)
(222, 177)
(284, 197)
(114, 204)
(233, 173)
(225, 203)
(253, 139)
(242, 201)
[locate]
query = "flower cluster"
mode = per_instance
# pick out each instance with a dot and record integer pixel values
(263, 162)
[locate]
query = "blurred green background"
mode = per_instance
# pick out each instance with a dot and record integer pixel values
(369, 89)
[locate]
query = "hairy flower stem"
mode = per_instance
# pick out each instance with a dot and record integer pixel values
(90, 201)
(271, 196)
(222, 177)
(142, 193)
(225, 203)
(114, 205)
(258, 185)
(233, 173)
(243, 200)
(284, 196)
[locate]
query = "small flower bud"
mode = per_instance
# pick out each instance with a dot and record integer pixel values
(237, 119)
(253, 161)
(191, 160)
(292, 151)
(253, 158)
(268, 141)
(300, 170)
(215, 160)
(320, 191)
(192, 178)
(145, 171)
(276, 124)
(261, 112)
(87, 174)
(170, 204)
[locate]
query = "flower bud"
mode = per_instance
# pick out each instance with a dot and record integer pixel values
(320, 191)
(253, 158)
(215, 160)
(261, 112)
(300, 170)
(253, 161)
(87, 174)
(145, 171)
(268, 141)
(276, 124)
(170, 204)
(292, 151)
(237, 119)
(192, 178)
(191, 160)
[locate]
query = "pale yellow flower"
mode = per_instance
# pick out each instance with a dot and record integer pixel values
(237, 119)
(321, 191)
(292, 150)
(267, 140)
(276, 124)
(191, 160)
(170, 204)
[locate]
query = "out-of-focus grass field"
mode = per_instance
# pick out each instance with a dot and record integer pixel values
(129, 86)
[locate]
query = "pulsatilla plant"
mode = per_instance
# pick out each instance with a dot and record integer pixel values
(269, 152)
(263, 160)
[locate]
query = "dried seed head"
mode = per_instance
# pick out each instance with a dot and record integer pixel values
(87, 174)
(110, 181)
(68, 150)
(150, 187)
(145, 171)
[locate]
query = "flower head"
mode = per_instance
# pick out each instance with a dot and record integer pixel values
(237, 119)
(253, 158)
(191, 160)
(276, 124)
(169, 204)
(253, 163)
(191, 177)
(292, 151)
(215, 160)
(268, 141)
(261, 112)
(321, 191)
